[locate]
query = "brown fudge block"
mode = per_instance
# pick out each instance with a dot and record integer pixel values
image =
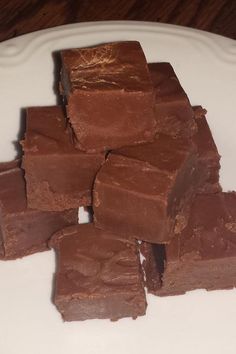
(58, 175)
(109, 94)
(203, 256)
(207, 151)
(98, 275)
(173, 111)
(5, 166)
(145, 191)
(24, 231)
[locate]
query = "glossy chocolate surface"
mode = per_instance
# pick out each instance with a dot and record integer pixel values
(58, 175)
(98, 275)
(109, 94)
(110, 66)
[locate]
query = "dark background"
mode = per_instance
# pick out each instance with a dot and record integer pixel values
(23, 16)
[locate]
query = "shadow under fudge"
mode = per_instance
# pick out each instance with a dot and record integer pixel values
(56, 58)
(20, 134)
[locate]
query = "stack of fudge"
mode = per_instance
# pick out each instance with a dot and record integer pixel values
(127, 143)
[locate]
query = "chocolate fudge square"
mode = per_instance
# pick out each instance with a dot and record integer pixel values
(203, 256)
(207, 151)
(24, 231)
(98, 275)
(145, 191)
(58, 175)
(110, 96)
(5, 166)
(173, 110)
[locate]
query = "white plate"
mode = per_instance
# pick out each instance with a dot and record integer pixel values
(198, 322)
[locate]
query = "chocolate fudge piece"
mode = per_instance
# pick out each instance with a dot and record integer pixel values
(173, 111)
(109, 94)
(98, 275)
(5, 166)
(207, 151)
(58, 175)
(24, 231)
(145, 191)
(204, 255)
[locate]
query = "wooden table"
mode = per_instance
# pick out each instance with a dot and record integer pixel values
(23, 16)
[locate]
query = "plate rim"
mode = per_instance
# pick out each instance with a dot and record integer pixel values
(118, 23)
(15, 50)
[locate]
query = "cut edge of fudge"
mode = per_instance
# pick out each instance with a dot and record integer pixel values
(42, 196)
(24, 231)
(51, 162)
